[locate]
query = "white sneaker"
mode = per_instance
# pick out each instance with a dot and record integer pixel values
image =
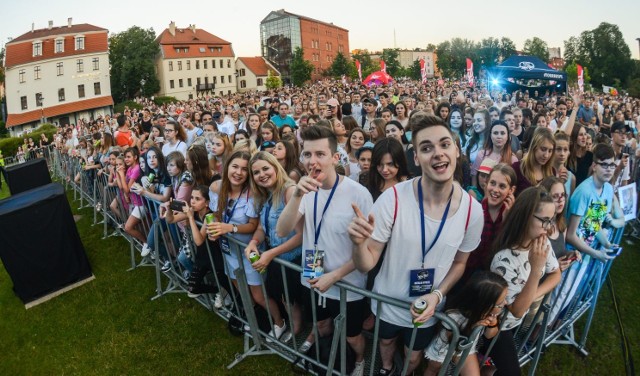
(219, 301)
(304, 348)
(279, 333)
(145, 250)
(359, 369)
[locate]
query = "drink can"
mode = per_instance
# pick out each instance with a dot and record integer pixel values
(151, 177)
(254, 256)
(420, 305)
(209, 218)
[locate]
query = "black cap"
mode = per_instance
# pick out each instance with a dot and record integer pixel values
(620, 125)
(217, 115)
(371, 100)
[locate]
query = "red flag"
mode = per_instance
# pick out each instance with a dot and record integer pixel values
(383, 66)
(470, 72)
(423, 71)
(580, 77)
(359, 68)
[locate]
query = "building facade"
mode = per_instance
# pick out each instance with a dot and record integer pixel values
(281, 32)
(194, 63)
(407, 57)
(253, 73)
(58, 75)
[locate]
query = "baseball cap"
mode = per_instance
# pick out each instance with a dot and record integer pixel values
(620, 125)
(333, 102)
(217, 115)
(370, 100)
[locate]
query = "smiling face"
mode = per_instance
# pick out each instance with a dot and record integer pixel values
(436, 154)
(238, 171)
(356, 140)
(392, 130)
(498, 188)
(387, 169)
(263, 173)
(479, 124)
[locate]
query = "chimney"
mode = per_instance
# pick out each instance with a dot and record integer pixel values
(50, 25)
(33, 27)
(69, 21)
(172, 28)
(193, 28)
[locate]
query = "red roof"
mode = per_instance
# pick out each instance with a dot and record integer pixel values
(61, 109)
(188, 36)
(257, 65)
(193, 39)
(56, 31)
(22, 52)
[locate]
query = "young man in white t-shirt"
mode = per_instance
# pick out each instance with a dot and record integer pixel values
(321, 201)
(435, 228)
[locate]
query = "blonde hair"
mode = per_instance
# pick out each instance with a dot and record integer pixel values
(540, 135)
(261, 194)
(246, 145)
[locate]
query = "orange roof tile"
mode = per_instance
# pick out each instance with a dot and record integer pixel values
(56, 31)
(193, 40)
(61, 109)
(187, 36)
(257, 65)
(22, 53)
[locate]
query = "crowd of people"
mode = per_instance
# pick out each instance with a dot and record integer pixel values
(474, 202)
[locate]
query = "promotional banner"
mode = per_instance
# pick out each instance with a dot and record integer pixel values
(423, 71)
(359, 68)
(609, 90)
(580, 77)
(383, 66)
(470, 72)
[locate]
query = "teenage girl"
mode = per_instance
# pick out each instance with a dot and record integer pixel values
(537, 164)
(286, 155)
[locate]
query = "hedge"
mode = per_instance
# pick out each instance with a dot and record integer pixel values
(119, 108)
(164, 100)
(9, 146)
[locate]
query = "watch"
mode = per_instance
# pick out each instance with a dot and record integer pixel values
(235, 229)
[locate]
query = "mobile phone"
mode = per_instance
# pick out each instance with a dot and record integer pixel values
(614, 251)
(177, 205)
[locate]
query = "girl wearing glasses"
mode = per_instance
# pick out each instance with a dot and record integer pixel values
(556, 189)
(479, 303)
(175, 138)
(523, 256)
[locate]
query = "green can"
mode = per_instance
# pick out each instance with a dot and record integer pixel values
(209, 218)
(253, 257)
(420, 305)
(151, 177)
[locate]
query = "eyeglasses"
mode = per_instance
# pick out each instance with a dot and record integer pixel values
(622, 133)
(606, 166)
(546, 223)
(559, 197)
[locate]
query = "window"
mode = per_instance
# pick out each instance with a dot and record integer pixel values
(206, 81)
(96, 88)
(80, 65)
(197, 64)
(96, 63)
(213, 63)
(204, 62)
(228, 63)
(202, 49)
(243, 84)
(188, 64)
(215, 80)
(59, 69)
(61, 95)
(39, 99)
(190, 96)
(230, 80)
(189, 82)
(340, 48)
(171, 84)
(242, 72)
(37, 48)
(80, 91)
(222, 79)
(79, 43)
(170, 66)
(180, 83)
(259, 81)
(36, 72)
(179, 65)
(221, 63)
(59, 46)
(21, 75)
(23, 103)
(198, 81)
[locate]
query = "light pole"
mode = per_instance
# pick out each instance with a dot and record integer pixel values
(142, 82)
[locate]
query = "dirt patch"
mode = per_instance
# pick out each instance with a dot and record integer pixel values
(77, 217)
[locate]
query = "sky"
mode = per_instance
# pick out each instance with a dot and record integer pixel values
(370, 26)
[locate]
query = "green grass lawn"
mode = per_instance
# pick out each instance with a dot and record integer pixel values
(110, 326)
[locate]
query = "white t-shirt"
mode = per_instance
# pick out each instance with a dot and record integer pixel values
(180, 146)
(227, 128)
(404, 244)
(334, 238)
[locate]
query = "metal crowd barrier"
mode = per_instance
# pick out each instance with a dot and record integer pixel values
(552, 323)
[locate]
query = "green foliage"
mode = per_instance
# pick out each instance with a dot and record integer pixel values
(119, 108)
(604, 51)
(164, 100)
(572, 73)
(414, 70)
(131, 56)
(536, 47)
(300, 68)
(431, 47)
(4, 132)
(273, 81)
(634, 88)
(366, 64)
(9, 146)
(341, 65)
(390, 57)
(452, 56)
(2, 53)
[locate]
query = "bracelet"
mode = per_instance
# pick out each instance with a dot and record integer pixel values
(438, 293)
(256, 240)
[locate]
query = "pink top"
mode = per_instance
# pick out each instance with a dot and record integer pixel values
(134, 173)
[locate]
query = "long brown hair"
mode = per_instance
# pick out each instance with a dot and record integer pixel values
(540, 135)
(200, 165)
(225, 184)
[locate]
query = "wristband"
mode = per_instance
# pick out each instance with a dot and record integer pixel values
(439, 295)
(256, 240)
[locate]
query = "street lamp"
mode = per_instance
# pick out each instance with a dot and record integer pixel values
(142, 82)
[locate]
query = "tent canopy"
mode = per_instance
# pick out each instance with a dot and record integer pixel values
(527, 67)
(377, 78)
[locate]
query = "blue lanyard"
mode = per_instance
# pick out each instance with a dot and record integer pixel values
(426, 250)
(267, 209)
(226, 217)
(326, 206)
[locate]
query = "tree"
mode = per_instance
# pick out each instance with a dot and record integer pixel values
(445, 59)
(414, 70)
(273, 81)
(300, 68)
(2, 52)
(366, 64)
(537, 47)
(131, 56)
(571, 48)
(507, 48)
(489, 52)
(339, 66)
(572, 73)
(390, 57)
(431, 47)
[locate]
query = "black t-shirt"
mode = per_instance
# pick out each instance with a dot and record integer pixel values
(146, 126)
(582, 167)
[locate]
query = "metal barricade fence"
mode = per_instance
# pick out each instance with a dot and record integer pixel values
(546, 328)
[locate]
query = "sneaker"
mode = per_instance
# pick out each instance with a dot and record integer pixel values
(145, 250)
(166, 267)
(219, 301)
(387, 372)
(304, 348)
(279, 333)
(195, 291)
(186, 274)
(246, 328)
(359, 369)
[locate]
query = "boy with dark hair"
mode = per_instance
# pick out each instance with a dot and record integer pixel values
(319, 201)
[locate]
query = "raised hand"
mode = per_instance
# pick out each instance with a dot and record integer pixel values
(361, 227)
